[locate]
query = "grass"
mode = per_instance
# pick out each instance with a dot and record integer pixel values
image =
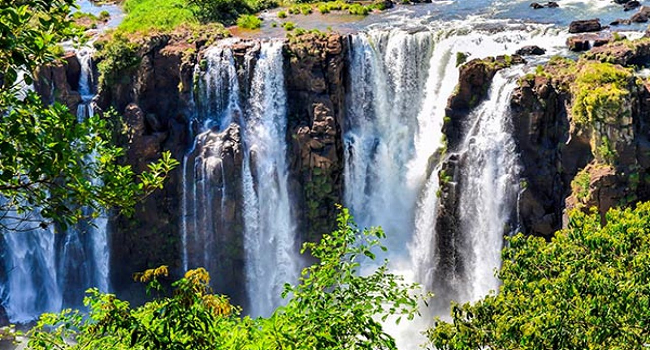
(249, 22)
(156, 15)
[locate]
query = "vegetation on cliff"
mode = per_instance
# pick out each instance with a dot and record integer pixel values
(585, 289)
(333, 307)
(48, 156)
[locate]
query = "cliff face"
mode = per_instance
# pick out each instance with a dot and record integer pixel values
(582, 133)
(155, 102)
(573, 154)
(315, 67)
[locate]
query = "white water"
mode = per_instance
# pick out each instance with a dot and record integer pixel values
(399, 86)
(490, 183)
(270, 249)
(271, 253)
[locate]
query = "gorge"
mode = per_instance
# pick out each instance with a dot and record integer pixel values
(437, 132)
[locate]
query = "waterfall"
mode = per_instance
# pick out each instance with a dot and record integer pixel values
(269, 218)
(489, 186)
(47, 271)
(399, 83)
(239, 162)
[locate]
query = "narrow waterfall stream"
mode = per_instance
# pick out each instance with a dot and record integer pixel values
(489, 187)
(269, 219)
(260, 193)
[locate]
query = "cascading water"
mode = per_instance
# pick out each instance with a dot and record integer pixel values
(269, 218)
(399, 86)
(489, 186)
(46, 271)
(261, 192)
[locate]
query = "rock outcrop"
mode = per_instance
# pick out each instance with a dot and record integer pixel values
(584, 42)
(314, 79)
(474, 82)
(155, 101)
(59, 81)
(580, 130)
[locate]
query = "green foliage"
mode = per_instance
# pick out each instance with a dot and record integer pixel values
(461, 57)
(586, 289)
(600, 91)
(104, 16)
(333, 307)
(359, 10)
(288, 26)
(47, 156)
(282, 14)
(605, 151)
(249, 22)
(227, 11)
(580, 184)
(323, 8)
(117, 58)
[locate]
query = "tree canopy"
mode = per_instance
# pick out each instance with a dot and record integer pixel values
(51, 164)
(588, 288)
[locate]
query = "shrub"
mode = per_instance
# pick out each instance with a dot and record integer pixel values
(306, 9)
(358, 10)
(116, 57)
(600, 90)
(587, 288)
(249, 22)
(323, 8)
(289, 26)
(104, 16)
(282, 14)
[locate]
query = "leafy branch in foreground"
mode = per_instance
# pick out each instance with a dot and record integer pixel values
(333, 307)
(54, 167)
(589, 288)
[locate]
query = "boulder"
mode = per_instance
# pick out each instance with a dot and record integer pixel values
(631, 5)
(531, 50)
(620, 21)
(584, 42)
(642, 15)
(585, 26)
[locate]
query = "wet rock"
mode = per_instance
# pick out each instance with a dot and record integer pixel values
(531, 50)
(625, 53)
(474, 81)
(550, 4)
(620, 21)
(631, 5)
(585, 26)
(4, 318)
(315, 72)
(641, 16)
(584, 42)
(59, 81)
